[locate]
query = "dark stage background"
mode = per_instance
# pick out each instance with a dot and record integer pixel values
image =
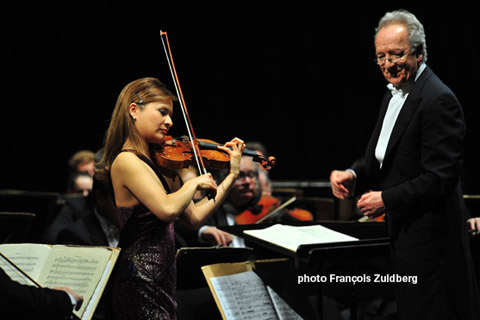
(299, 78)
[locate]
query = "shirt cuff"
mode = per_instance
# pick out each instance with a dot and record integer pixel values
(199, 234)
(73, 300)
(352, 171)
(354, 184)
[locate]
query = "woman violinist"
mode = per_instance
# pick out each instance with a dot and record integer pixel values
(142, 285)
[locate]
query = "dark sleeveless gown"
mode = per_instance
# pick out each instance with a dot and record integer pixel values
(142, 285)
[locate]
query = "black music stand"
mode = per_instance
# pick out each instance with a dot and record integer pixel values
(42, 204)
(191, 260)
(373, 242)
(14, 226)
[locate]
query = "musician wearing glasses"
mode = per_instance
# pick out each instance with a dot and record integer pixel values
(244, 194)
(411, 172)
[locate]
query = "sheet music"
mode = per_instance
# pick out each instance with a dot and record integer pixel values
(29, 257)
(291, 237)
(89, 308)
(283, 310)
(243, 296)
(76, 270)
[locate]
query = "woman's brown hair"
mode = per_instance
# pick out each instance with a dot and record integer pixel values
(122, 126)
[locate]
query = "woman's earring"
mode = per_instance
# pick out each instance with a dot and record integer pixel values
(134, 118)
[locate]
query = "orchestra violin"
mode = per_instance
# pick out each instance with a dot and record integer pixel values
(269, 208)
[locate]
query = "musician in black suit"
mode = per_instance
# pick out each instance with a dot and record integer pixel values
(75, 208)
(411, 172)
(99, 225)
(19, 301)
(87, 231)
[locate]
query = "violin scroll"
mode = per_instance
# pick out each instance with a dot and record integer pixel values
(267, 163)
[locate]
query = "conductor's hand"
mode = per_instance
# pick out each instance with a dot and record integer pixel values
(341, 182)
(78, 298)
(371, 204)
(474, 224)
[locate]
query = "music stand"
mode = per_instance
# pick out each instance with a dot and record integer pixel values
(368, 246)
(191, 260)
(42, 204)
(14, 226)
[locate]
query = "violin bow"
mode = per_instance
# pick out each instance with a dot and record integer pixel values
(191, 134)
(276, 210)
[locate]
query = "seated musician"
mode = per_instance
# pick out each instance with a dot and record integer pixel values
(245, 204)
(20, 301)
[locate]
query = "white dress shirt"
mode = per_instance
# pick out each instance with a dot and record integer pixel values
(394, 107)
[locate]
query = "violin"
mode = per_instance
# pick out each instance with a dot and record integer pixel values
(268, 205)
(179, 154)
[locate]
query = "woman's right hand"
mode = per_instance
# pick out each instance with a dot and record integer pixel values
(205, 182)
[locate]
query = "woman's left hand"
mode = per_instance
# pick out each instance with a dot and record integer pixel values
(235, 149)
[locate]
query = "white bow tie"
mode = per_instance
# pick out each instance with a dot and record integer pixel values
(402, 91)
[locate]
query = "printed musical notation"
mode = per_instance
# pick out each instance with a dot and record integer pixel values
(80, 271)
(75, 272)
(244, 296)
(84, 269)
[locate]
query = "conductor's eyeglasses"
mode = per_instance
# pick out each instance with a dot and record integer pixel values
(392, 58)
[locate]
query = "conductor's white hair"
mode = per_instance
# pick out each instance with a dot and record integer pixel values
(415, 29)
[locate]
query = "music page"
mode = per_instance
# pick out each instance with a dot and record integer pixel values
(291, 237)
(29, 257)
(244, 296)
(78, 268)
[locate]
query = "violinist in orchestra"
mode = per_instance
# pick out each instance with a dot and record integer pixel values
(411, 173)
(245, 193)
(20, 301)
(246, 203)
(263, 174)
(149, 198)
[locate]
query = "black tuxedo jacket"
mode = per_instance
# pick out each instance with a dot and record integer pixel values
(26, 302)
(75, 207)
(86, 231)
(420, 184)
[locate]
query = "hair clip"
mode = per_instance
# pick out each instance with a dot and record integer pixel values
(140, 99)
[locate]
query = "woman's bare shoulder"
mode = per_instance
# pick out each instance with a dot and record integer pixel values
(125, 162)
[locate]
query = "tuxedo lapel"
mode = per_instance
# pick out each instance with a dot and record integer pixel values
(402, 122)
(408, 110)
